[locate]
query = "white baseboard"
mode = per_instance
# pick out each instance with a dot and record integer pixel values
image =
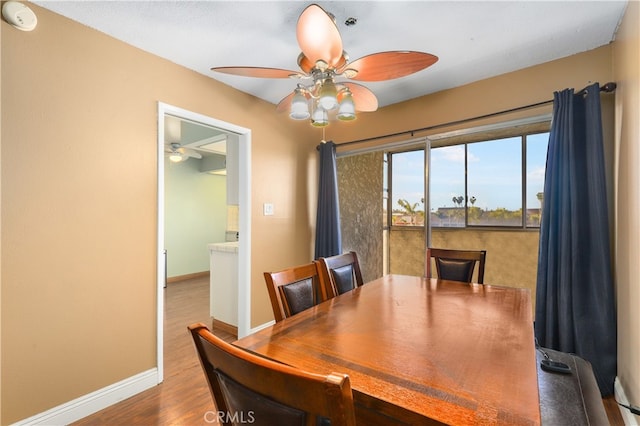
(261, 326)
(629, 418)
(83, 406)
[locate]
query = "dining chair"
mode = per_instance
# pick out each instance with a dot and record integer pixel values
(294, 289)
(340, 273)
(456, 265)
(247, 388)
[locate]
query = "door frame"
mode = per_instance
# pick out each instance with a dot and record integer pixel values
(244, 222)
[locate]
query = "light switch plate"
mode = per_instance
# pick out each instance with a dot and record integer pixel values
(267, 209)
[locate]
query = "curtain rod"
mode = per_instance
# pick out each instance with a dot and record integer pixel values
(606, 88)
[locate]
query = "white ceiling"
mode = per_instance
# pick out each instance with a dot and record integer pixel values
(473, 39)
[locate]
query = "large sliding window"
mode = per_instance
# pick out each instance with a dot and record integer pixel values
(487, 183)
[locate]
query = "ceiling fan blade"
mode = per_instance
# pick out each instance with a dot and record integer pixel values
(389, 65)
(318, 36)
(258, 72)
(188, 152)
(363, 98)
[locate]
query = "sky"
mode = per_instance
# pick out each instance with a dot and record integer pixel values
(494, 174)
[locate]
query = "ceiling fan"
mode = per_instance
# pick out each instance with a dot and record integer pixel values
(177, 153)
(325, 67)
(172, 137)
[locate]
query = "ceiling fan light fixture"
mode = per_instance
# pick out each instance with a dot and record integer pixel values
(347, 110)
(299, 106)
(320, 117)
(328, 95)
(175, 157)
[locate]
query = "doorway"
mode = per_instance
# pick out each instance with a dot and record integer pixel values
(242, 137)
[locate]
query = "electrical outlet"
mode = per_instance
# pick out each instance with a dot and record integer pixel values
(267, 209)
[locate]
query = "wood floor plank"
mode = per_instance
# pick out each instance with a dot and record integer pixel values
(613, 411)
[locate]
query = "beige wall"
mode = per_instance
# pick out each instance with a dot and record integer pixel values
(78, 211)
(79, 143)
(626, 62)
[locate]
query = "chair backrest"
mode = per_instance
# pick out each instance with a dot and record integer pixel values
(340, 273)
(456, 265)
(295, 289)
(252, 389)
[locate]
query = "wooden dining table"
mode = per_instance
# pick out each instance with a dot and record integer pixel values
(419, 351)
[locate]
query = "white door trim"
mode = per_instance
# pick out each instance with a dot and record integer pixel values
(244, 222)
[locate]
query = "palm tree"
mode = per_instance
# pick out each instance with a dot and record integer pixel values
(474, 213)
(409, 209)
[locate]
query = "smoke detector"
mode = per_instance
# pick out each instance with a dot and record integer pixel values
(19, 15)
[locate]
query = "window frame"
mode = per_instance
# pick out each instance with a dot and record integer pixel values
(389, 189)
(465, 138)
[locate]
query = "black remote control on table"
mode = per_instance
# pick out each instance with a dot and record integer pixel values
(555, 366)
(549, 365)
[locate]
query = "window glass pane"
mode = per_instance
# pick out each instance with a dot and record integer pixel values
(536, 162)
(495, 182)
(407, 180)
(447, 186)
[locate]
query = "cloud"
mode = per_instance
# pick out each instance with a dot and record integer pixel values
(536, 175)
(454, 154)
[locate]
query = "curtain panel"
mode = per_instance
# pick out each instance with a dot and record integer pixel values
(575, 301)
(328, 237)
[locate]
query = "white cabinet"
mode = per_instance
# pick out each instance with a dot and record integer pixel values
(223, 281)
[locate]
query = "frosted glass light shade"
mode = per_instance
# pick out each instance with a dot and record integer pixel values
(299, 107)
(320, 118)
(328, 95)
(175, 157)
(347, 111)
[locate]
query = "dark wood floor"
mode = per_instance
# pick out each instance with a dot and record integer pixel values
(613, 411)
(183, 398)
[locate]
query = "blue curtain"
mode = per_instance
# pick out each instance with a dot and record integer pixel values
(328, 238)
(575, 305)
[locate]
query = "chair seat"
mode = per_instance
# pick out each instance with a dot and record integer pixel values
(340, 273)
(300, 295)
(294, 289)
(456, 270)
(456, 265)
